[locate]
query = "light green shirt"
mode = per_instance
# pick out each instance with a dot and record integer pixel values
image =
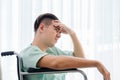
(32, 54)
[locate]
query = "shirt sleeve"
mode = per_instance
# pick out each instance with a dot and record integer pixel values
(31, 56)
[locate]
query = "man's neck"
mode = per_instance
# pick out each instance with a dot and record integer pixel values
(39, 44)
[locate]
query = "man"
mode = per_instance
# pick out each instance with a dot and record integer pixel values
(43, 53)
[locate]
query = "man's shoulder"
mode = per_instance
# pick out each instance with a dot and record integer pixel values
(30, 49)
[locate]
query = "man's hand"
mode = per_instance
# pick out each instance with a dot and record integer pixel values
(103, 71)
(62, 27)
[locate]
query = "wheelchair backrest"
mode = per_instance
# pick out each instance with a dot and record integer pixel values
(10, 66)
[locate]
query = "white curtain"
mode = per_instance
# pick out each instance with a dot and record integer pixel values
(96, 22)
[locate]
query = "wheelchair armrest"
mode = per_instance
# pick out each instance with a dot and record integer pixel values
(34, 71)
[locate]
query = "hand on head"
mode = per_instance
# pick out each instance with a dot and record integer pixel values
(61, 27)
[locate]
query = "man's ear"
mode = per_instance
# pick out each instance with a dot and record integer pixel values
(41, 27)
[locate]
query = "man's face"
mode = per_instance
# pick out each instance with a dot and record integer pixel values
(52, 34)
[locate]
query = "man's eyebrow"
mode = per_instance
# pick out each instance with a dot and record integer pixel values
(56, 26)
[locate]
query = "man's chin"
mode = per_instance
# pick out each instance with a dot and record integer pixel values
(52, 45)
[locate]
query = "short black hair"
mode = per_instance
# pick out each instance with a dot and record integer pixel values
(42, 17)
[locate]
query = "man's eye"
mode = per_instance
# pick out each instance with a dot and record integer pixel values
(57, 29)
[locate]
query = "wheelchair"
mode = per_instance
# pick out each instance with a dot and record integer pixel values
(11, 68)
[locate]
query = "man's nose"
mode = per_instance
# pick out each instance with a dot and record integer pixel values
(59, 34)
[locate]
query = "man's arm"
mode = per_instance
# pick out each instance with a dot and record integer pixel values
(78, 51)
(66, 62)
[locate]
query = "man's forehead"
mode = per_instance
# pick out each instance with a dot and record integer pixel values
(55, 21)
